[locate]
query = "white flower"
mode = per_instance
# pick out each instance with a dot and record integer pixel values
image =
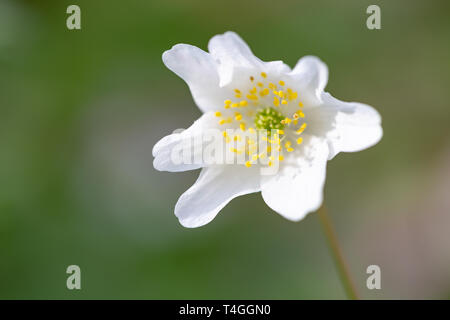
(235, 89)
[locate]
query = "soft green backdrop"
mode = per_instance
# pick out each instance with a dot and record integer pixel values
(81, 110)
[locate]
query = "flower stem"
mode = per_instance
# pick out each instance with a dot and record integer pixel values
(337, 253)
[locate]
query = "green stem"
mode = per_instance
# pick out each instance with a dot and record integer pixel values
(337, 254)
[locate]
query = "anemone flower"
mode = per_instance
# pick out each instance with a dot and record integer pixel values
(239, 93)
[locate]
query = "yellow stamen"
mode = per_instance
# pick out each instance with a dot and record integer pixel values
(302, 128)
(276, 101)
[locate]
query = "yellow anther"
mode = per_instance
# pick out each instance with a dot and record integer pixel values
(237, 90)
(227, 102)
(238, 95)
(272, 158)
(243, 103)
(218, 114)
(242, 126)
(272, 86)
(301, 129)
(251, 130)
(300, 104)
(287, 144)
(287, 120)
(276, 101)
(295, 121)
(237, 138)
(293, 96)
(234, 105)
(280, 131)
(238, 116)
(263, 74)
(270, 163)
(281, 94)
(289, 149)
(300, 114)
(248, 164)
(281, 82)
(264, 92)
(227, 106)
(222, 121)
(260, 84)
(253, 90)
(252, 97)
(224, 133)
(283, 101)
(281, 158)
(299, 140)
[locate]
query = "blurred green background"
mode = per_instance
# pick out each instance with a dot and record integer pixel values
(81, 110)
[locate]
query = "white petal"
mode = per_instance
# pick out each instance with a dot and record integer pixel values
(166, 156)
(231, 53)
(355, 126)
(311, 75)
(298, 188)
(215, 187)
(199, 70)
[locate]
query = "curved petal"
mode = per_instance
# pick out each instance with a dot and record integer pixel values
(311, 74)
(199, 70)
(231, 52)
(215, 187)
(298, 188)
(168, 151)
(355, 126)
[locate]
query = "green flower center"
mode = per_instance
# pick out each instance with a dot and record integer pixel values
(269, 119)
